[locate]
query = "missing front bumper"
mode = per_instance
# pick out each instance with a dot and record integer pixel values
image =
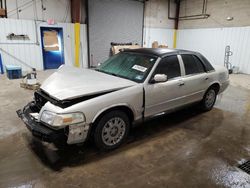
(38, 129)
(71, 134)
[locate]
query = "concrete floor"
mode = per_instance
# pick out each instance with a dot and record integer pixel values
(183, 149)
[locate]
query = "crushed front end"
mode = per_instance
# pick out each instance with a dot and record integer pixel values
(45, 119)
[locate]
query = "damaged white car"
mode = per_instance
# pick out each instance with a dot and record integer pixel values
(75, 104)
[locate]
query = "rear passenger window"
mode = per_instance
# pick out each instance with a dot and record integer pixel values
(169, 66)
(192, 64)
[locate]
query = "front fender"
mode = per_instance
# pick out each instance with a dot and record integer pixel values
(131, 97)
(114, 106)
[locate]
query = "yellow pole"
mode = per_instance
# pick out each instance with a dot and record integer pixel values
(77, 44)
(175, 38)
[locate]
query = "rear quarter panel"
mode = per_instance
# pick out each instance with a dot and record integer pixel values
(220, 76)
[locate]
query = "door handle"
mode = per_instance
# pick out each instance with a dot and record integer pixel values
(181, 84)
(206, 78)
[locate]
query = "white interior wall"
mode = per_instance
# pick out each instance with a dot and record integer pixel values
(162, 35)
(59, 10)
(208, 36)
(218, 10)
(212, 43)
(156, 14)
(83, 46)
(157, 26)
(30, 51)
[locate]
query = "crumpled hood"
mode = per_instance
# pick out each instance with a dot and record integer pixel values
(70, 82)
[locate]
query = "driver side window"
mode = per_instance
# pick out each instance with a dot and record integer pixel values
(169, 66)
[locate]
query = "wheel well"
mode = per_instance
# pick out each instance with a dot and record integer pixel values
(215, 86)
(124, 109)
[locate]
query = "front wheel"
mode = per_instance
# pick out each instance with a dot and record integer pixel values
(209, 99)
(112, 129)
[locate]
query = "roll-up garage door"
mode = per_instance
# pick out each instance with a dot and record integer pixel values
(119, 21)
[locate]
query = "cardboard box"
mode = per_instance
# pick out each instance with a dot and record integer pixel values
(163, 46)
(155, 44)
(2, 12)
(50, 40)
(116, 49)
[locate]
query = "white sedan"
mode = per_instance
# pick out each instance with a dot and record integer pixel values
(75, 104)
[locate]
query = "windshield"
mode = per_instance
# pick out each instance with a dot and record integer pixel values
(131, 66)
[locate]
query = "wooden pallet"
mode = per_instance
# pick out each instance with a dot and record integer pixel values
(31, 87)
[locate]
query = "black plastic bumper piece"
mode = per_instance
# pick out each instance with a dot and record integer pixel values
(38, 129)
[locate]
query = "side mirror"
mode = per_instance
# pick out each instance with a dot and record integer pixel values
(160, 78)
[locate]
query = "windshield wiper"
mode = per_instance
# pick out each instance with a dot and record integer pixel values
(98, 70)
(107, 72)
(113, 74)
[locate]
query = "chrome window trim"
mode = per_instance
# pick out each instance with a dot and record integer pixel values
(183, 71)
(157, 63)
(147, 80)
(189, 75)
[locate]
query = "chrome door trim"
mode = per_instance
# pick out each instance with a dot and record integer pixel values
(183, 72)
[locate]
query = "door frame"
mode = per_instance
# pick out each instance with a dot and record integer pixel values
(61, 34)
(175, 81)
(197, 95)
(89, 61)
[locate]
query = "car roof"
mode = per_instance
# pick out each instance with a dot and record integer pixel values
(163, 52)
(160, 52)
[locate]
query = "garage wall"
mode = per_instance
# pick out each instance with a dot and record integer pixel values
(212, 42)
(58, 10)
(113, 21)
(30, 51)
(157, 26)
(218, 10)
(210, 36)
(162, 35)
(156, 14)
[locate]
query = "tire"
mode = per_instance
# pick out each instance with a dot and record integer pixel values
(209, 99)
(111, 130)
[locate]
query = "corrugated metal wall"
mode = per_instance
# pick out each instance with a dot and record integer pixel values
(27, 50)
(162, 35)
(59, 10)
(212, 43)
(30, 51)
(113, 21)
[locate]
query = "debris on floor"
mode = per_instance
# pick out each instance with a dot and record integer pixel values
(31, 87)
(30, 81)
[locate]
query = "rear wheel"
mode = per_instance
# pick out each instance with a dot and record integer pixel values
(111, 130)
(209, 99)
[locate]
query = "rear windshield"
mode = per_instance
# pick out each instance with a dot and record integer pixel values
(207, 64)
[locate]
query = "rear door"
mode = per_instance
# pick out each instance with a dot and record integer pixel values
(196, 79)
(160, 97)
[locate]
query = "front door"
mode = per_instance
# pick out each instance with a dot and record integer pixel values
(52, 47)
(160, 97)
